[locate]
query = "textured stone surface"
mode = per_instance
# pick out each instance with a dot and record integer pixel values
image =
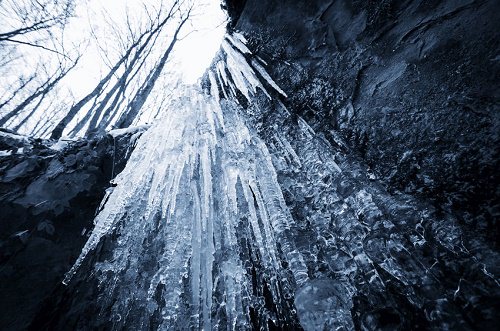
(406, 95)
(387, 261)
(411, 85)
(48, 199)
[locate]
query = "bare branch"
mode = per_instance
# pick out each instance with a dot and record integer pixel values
(34, 45)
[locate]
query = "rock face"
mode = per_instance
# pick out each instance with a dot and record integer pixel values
(49, 197)
(411, 85)
(412, 91)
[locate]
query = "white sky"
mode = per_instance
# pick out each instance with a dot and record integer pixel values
(107, 18)
(198, 49)
(191, 57)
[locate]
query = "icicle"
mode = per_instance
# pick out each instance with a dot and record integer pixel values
(242, 74)
(238, 43)
(306, 129)
(214, 91)
(266, 76)
(221, 72)
(289, 149)
(197, 206)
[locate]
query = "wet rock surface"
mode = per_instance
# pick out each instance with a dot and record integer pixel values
(402, 100)
(412, 86)
(390, 261)
(48, 199)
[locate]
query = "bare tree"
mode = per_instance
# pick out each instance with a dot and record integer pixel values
(140, 49)
(40, 92)
(32, 21)
(142, 94)
(107, 96)
(23, 82)
(32, 27)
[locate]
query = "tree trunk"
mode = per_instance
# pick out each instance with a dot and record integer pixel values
(142, 95)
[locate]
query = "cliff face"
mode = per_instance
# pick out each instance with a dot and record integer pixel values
(49, 196)
(411, 85)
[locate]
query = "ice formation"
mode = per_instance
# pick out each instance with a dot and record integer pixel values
(221, 223)
(197, 180)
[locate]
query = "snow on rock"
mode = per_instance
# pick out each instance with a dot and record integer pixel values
(5, 153)
(60, 145)
(13, 136)
(11, 142)
(130, 130)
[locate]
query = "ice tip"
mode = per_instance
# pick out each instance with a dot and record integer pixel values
(67, 278)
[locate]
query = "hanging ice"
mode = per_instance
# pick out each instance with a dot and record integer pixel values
(198, 235)
(197, 179)
(245, 75)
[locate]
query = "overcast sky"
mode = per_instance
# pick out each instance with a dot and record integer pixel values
(191, 57)
(107, 19)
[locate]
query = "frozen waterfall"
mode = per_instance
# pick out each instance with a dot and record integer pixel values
(242, 217)
(199, 187)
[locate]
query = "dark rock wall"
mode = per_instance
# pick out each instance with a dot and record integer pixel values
(411, 85)
(48, 200)
(384, 261)
(233, 9)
